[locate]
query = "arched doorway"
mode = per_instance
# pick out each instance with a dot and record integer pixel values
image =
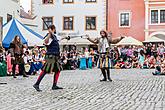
(160, 35)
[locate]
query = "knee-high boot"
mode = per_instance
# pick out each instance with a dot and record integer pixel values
(108, 75)
(104, 74)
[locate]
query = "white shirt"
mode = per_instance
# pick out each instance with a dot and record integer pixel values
(103, 45)
(50, 39)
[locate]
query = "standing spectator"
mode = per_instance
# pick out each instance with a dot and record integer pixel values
(141, 58)
(148, 50)
(154, 51)
(161, 51)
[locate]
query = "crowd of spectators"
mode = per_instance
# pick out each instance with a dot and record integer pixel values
(149, 56)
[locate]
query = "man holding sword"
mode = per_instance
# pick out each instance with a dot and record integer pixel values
(104, 60)
(52, 58)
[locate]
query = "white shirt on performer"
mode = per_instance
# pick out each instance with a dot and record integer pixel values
(50, 40)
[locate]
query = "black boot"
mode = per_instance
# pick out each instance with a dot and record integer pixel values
(22, 70)
(14, 76)
(13, 71)
(36, 87)
(104, 75)
(108, 74)
(55, 87)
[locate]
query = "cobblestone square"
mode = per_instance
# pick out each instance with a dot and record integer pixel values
(131, 90)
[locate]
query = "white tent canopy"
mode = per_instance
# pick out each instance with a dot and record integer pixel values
(129, 41)
(28, 36)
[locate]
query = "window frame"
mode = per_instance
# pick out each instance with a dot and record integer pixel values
(48, 3)
(43, 22)
(159, 17)
(151, 17)
(91, 1)
(68, 21)
(86, 23)
(11, 17)
(68, 2)
(163, 16)
(130, 16)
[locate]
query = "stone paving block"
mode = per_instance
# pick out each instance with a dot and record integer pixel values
(130, 90)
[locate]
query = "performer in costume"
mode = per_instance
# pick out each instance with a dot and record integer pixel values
(52, 58)
(103, 48)
(16, 49)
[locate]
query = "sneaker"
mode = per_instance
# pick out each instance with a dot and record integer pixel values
(36, 87)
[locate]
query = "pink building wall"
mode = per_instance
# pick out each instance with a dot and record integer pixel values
(154, 29)
(137, 9)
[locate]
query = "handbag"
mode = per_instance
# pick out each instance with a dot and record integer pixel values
(27, 67)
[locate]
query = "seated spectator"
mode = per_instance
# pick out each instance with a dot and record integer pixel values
(152, 62)
(122, 64)
(145, 65)
(128, 65)
(36, 65)
(3, 66)
(135, 62)
(117, 65)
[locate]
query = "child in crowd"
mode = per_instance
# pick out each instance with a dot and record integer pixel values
(135, 62)
(152, 62)
(141, 58)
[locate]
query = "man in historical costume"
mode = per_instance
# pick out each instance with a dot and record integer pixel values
(16, 49)
(52, 58)
(104, 61)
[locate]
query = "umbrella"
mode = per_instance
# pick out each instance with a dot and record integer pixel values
(129, 41)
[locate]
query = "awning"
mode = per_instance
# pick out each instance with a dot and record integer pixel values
(129, 41)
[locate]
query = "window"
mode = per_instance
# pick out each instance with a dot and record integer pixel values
(68, 23)
(48, 21)
(162, 16)
(90, 1)
(68, 1)
(124, 19)
(154, 16)
(9, 17)
(90, 23)
(47, 1)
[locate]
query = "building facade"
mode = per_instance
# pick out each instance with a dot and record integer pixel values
(71, 17)
(155, 18)
(9, 9)
(126, 18)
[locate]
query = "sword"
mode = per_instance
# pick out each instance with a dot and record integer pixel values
(81, 36)
(68, 37)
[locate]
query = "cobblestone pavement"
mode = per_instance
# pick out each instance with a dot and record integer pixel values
(131, 90)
